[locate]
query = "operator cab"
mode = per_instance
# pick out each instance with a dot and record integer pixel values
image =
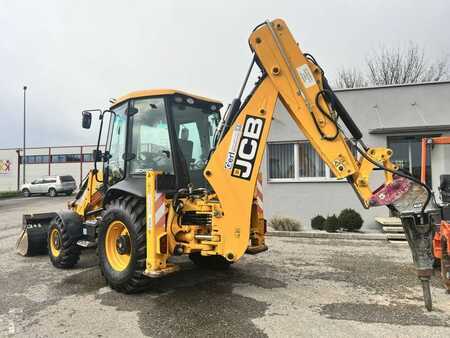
(162, 130)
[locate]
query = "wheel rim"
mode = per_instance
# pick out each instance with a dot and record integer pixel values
(117, 236)
(55, 242)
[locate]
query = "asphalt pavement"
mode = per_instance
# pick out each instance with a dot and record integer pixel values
(301, 287)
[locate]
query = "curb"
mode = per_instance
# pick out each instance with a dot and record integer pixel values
(328, 235)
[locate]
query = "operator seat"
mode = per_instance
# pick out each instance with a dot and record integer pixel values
(186, 145)
(444, 188)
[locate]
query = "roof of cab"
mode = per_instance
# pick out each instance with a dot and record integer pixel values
(159, 92)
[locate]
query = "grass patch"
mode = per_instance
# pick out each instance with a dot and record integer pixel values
(9, 194)
(285, 224)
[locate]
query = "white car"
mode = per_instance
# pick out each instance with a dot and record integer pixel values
(51, 185)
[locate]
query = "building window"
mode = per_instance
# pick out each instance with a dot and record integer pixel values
(281, 160)
(35, 159)
(64, 158)
(407, 154)
(58, 158)
(309, 162)
(88, 158)
(296, 161)
(67, 158)
(73, 158)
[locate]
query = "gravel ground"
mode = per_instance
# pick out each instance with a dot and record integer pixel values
(300, 287)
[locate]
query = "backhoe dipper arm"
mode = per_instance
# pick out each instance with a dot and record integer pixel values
(298, 82)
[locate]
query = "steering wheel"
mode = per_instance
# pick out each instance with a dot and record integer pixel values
(147, 159)
(198, 164)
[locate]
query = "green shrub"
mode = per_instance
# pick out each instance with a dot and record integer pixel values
(350, 220)
(331, 223)
(284, 224)
(318, 222)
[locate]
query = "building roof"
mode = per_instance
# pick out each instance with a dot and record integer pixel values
(412, 129)
(393, 86)
(159, 92)
(421, 107)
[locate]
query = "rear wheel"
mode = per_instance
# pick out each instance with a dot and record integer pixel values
(63, 250)
(52, 192)
(26, 193)
(68, 193)
(122, 245)
(209, 262)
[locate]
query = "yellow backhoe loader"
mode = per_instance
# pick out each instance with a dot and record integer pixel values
(177, 179)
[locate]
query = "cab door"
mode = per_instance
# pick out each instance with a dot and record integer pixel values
(116, 145)
(37, 186)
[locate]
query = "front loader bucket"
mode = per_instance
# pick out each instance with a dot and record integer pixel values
(33, 238)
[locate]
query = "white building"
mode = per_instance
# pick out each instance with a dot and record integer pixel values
(297, 184)
(43, 161)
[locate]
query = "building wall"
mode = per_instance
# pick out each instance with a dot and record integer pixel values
(10, 173)
(304, 200)
(371, 108)
(8, 169)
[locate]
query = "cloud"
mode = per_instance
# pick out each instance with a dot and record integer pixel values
(77, 54)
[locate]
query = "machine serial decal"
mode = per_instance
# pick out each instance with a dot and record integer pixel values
(231, 155)
(248, 147)
(306, 75)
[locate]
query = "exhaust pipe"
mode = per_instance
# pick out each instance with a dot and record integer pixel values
(32, 240)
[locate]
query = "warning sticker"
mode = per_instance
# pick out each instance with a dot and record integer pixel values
(306, 75)
(232, 150)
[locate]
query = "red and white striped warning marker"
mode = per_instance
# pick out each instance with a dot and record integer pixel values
(160, 211)
(259, 194)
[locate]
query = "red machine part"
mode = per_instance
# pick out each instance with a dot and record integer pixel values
(441, 250)
(441, 240)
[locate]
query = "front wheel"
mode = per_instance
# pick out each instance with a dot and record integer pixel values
(122, 245)
(63, 250)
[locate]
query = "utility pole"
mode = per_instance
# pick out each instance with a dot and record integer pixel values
(24, 130)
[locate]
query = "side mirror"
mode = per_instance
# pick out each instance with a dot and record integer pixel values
(97, 155)
(132, 111)
(87, 119)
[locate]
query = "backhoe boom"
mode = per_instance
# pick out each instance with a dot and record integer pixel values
(298, 82)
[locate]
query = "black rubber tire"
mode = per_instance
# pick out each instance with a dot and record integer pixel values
(26, 193)
(69, 252)
(217, 263)
(131, 212)
(68, 193)
(52, 192)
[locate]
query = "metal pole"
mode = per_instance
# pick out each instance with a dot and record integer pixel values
(24, 131)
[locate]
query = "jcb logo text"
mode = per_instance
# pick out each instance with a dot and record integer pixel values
(248, 147)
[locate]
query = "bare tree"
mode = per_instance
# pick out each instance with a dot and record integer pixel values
(350, 78)
(394, 66)
(398, 66)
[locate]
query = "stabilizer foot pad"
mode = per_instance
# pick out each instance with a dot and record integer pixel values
(253, 250)
(170, 268)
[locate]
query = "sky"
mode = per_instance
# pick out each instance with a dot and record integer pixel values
(76, 55)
